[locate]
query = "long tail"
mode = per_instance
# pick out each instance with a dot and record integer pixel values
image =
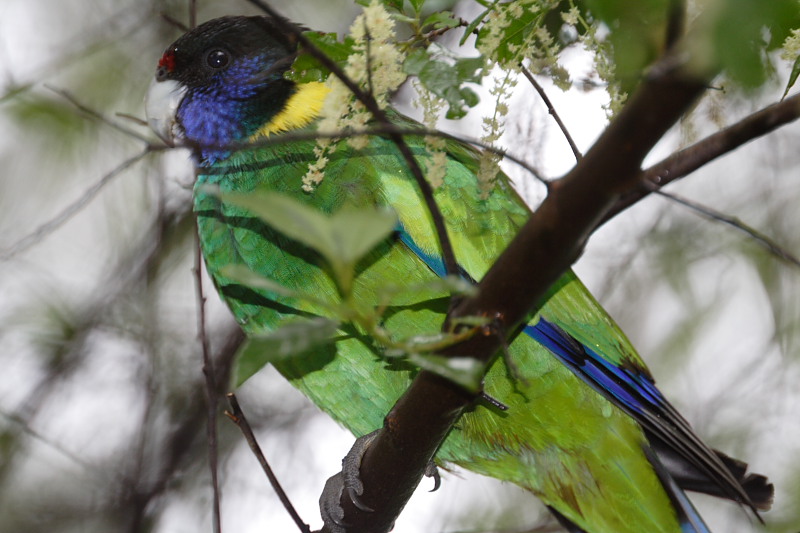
(683, 458)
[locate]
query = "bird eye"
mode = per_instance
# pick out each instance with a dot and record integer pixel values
(217, 58)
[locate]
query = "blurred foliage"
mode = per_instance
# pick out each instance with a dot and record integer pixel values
(102, 416)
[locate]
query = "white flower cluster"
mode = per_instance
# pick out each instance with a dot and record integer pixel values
(437, 162)
(493, 127)
(791, 46)
(376, 66)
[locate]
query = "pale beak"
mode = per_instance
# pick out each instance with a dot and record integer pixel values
(161, 107)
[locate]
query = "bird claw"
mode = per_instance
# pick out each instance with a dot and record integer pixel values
(432, 471)
(351, 469)
(349, 478)
(333, 513)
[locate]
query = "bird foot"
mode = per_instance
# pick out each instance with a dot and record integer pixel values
(349, 479)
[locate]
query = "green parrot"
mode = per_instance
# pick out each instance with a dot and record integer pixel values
(584, 427)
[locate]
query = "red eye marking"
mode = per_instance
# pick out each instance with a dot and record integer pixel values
(167, 61)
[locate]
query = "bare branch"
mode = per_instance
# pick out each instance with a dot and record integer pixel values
(86, 110)
(57, 221)
(192, 13)
(114, 28)
(763, 240)
(552, 110)
(174, 22)
(238, 418)
(676, 22)
(212, 385)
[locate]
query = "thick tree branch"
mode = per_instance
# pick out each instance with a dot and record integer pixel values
(546, 246)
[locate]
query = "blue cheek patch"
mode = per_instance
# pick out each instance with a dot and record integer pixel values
(219, 115)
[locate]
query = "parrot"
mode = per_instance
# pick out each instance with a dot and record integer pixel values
(580, 423)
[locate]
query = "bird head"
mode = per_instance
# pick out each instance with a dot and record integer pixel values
(220, 82)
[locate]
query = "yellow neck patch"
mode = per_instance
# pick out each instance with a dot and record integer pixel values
(300, 109)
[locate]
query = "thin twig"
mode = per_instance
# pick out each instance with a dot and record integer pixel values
(132, 118)
(368, 39)
(689, 159)
(96, 115)
(429, 37)
(552, 110)
(101, 472)
(192, 13)
(74, 49)
(57, 221)
(211, 383)
(448, 256)
(718, 216)
(238, 418)
(676, 22)
(172, 21)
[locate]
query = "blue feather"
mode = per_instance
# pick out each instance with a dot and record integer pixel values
(628, 388)
(434, 262)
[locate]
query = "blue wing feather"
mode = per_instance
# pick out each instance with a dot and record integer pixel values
(630, 390)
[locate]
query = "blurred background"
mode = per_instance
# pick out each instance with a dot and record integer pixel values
(102, 406)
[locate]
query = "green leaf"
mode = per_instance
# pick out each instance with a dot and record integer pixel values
(464, 371)
(415, 62)
(637, 33)
(307, 68)
(357, 232)
(445, 79)
(740, 35)
(342, 239)
(469, 96)
(406, 294)
(290, 340)
(243, 275)
(472, 26)
(469, 69)
(290, 217)
(792, 77)
(416, 5)
(515, 36)
(441, 19)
